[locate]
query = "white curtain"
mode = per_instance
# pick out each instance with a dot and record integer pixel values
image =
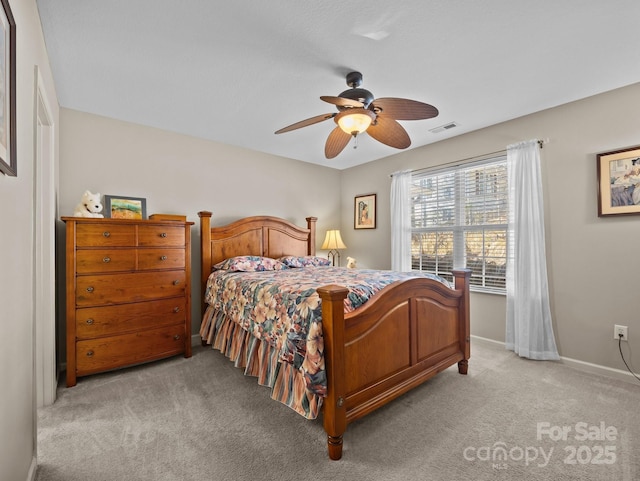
(401, 221)
(529, 331)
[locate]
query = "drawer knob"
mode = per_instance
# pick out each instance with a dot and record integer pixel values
(106, 259)
(176, 309)
(176, 337)
(164, 234)
(106, 233)
(89, 289)
(90, 321)
(175, 283)
(89, 353)
(163, 258)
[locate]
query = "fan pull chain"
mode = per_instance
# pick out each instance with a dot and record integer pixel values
(355, 141)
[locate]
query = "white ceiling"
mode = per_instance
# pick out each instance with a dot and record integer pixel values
(236, 71)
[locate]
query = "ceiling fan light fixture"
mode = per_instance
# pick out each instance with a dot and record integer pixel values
(354, 121)
(359, 111)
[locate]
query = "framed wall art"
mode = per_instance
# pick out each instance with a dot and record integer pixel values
(8, 160)
(619, 182)
(124, 207)
(364, 215)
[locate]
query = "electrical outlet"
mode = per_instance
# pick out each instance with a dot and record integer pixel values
(620, 332)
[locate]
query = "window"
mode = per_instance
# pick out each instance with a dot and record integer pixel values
(459, 219)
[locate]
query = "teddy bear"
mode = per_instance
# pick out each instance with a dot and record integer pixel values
(89, 206)
(351, 263)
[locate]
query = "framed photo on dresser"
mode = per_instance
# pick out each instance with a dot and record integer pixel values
(125, 207)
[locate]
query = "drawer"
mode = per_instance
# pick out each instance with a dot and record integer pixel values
(97, 290)
(105, 353)
(109, 320)
(105, 260)
(161, 235)
(96, 235)
(160, 259)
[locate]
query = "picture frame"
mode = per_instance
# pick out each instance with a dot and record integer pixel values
(8, 158)
(364, 213)
(125, 207)
(619, 182)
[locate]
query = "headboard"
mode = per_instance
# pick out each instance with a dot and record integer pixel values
(257, 236)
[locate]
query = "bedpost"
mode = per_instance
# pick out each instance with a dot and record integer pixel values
(335, 410)
(461, 277)
(311, 225)
(205, 251)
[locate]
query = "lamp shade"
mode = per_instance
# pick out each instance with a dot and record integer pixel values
(333, 240)
(354, 121)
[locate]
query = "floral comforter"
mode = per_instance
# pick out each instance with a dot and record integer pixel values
(283, 309)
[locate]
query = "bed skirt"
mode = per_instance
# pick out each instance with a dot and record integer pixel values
(260, 360)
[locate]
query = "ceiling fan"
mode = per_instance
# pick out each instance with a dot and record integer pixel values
(359, 112)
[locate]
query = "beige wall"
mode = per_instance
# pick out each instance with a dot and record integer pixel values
(178, 174)
(17, 297)
(591, 283)
(592, 261)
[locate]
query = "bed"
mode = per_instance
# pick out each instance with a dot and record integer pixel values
(354, 357)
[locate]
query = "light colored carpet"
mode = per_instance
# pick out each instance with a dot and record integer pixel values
(201, 419)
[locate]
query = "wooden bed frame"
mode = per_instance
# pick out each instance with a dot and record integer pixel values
(410, 331)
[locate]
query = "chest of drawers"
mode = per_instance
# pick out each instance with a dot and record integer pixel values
(128, 293)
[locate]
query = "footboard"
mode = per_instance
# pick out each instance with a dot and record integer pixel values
(406, 334)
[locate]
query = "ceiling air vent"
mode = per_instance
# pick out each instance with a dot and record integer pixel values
(444, 127)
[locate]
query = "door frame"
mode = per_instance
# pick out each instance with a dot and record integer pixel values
(45, 209)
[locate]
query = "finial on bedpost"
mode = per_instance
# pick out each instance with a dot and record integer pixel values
(311, 225)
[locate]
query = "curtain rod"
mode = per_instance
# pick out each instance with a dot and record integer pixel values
(541, 143)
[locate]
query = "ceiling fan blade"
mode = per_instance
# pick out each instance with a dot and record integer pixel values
(403, 109)
(341, 101)
(389, 132)
(304, 123)
(336, 142)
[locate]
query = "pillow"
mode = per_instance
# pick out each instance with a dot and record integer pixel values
(249, 264)
(304, 261)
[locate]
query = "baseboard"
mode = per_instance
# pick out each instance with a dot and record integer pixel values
(591, 368)
(598, 369)
(31, 476)
(487, 340)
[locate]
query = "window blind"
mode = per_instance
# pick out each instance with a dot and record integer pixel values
(459, 219)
